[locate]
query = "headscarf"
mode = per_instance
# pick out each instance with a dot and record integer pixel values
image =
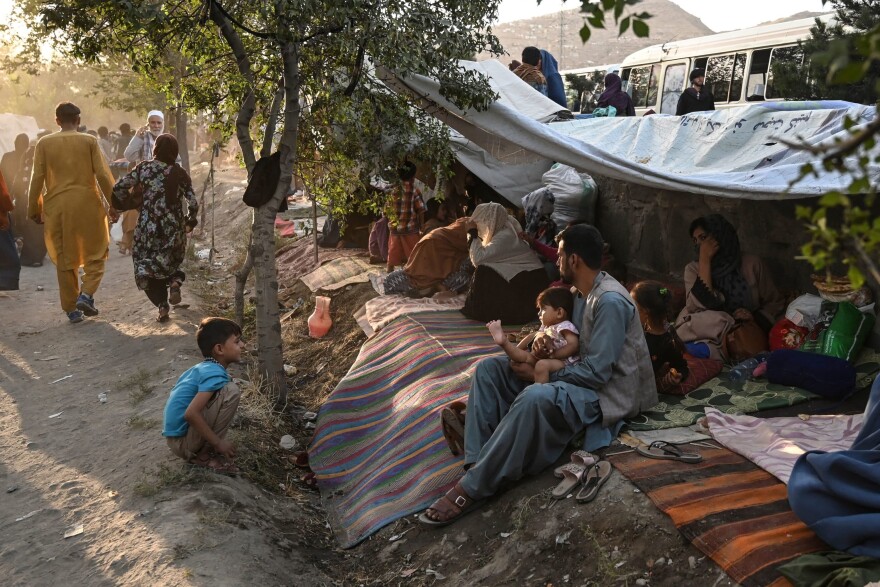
(727, 263)
(490, 219)
(166, 151)
(614, 95)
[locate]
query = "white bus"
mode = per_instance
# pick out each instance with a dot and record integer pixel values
(737, 65)
(595, 74)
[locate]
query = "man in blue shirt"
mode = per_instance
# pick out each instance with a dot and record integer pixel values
(515, 427)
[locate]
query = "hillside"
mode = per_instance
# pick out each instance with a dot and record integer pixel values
(668, 22)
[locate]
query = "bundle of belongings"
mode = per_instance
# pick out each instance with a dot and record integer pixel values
(566, 198)
(816, 344)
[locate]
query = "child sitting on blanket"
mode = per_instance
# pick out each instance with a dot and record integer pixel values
(670, 365)
(555, 306)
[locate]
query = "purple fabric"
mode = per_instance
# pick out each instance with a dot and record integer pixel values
(615, 96)
(378, 244)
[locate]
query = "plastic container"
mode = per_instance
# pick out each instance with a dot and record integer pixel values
(743, 371)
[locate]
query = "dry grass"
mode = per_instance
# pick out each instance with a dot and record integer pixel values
(165, 476)
(142, 423)
(137, 385)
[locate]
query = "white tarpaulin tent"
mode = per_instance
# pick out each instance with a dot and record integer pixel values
(736, 153)
(12, 125)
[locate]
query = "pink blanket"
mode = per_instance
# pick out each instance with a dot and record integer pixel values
(774, 444)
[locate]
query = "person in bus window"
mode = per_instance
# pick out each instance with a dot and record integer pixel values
(615, 96)
(695, 98)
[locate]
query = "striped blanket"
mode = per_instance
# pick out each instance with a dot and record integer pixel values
(378, 452)
(730, 509)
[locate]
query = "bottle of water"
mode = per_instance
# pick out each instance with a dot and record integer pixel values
(743, 371)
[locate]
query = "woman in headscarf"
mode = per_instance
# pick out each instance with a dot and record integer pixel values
(438, 262)
(10, 268)
(615, 96)
(508, 276)
(168, 213)
(723, 286)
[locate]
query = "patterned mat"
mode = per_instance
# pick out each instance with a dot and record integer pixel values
(738, 398)
(731, 510)
(378, 452)
(339, 273)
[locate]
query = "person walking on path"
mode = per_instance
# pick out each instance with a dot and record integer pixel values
(140, 148)
(515, 427)
(169, 211)
(70, 166)
(10, 267)
(16, 167)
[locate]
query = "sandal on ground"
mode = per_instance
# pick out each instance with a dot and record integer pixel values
(174, 292)
(163, 314)
(310, 480)
(667, 451)
(300, 459)
(578, 457)
(452, 425)
(451, 506)
(572, 476)
(595, 478)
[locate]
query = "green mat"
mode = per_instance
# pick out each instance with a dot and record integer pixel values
(731, 397)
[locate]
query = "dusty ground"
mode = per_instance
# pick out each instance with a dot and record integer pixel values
(146, 520)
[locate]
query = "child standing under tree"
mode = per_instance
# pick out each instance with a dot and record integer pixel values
(555, 306)
(405, 218)
(652, 302)
(204, 400)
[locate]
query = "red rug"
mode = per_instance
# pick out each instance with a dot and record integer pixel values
(733, 511)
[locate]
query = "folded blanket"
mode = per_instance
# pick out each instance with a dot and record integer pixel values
(774, 444)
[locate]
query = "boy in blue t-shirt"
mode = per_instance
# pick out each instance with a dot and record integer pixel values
(204, 400)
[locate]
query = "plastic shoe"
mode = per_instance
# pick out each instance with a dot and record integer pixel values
(75, 317)
(86, 304)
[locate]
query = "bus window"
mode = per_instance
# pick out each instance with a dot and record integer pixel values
(739, 71)
(638, 85)
(718, 74)
(653, 83)
(673, 86)
(793, 55)
(757, 80)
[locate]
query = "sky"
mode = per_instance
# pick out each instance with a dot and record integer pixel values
(715, 14)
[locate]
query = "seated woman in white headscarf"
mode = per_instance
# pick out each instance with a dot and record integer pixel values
(508, 276)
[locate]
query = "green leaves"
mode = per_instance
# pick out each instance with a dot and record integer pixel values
(595, 12)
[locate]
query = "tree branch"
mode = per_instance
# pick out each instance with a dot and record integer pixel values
(248, 105)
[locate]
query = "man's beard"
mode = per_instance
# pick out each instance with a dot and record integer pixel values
(565, 272)
(156, 133)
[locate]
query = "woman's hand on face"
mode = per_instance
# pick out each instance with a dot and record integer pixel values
(743, 315)
(709, 248)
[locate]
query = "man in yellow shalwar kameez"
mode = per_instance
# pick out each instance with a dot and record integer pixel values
(71, 167)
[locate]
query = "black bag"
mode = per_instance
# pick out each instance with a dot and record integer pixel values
(263, 181)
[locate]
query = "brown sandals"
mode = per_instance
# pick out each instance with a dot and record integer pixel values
(452, 425)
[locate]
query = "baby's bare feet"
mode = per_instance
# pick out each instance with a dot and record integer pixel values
(497, 332)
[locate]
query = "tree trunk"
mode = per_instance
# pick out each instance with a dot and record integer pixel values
(241, 277)
(182, 139)
(266, 278)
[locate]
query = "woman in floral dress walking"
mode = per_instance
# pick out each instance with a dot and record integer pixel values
(168, 213)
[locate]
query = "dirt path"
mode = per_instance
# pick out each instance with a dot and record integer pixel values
(66, 459)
